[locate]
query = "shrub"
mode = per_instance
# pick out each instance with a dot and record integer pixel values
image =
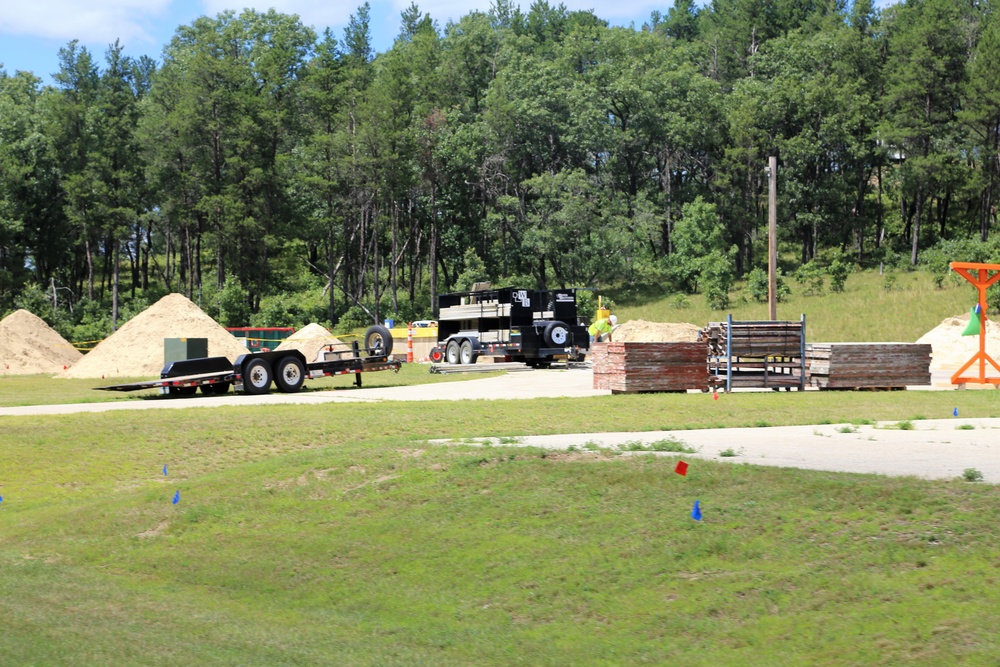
(810, 274)
(838, 275)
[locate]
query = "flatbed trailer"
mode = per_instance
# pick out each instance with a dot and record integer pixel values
(253, 373)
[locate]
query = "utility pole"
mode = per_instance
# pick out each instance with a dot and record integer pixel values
(772, 236)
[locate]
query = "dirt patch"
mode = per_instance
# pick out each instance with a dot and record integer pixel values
(29, 346)
(136, 350)
(950, 349)
(312, 341)
(641, 331)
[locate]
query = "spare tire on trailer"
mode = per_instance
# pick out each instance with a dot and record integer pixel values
(378, 341)
(436, 355)
(556, 334)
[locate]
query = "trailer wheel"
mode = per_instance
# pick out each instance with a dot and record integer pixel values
(466, 354)
(452, 352)
(378, 341)
(556, 334)
(257, 377)
(436, 355)
(289, 375)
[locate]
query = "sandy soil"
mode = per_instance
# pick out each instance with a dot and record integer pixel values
(136, 350)
(29, 346)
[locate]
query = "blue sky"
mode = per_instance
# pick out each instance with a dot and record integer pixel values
(33, 31)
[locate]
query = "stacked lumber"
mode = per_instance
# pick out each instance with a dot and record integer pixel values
(868, 365)
(754, 339)
(472, 311)
(627, 368)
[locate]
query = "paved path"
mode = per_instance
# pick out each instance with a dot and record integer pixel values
(933, 449)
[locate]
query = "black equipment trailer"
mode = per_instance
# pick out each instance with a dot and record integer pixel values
(253, 373)
(533, 326)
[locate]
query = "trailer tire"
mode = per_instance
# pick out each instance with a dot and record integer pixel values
(436, 355)
(452, 352)
(378, 341)
(257, 377)
(466, 354)
(556, 334)
(289, 374)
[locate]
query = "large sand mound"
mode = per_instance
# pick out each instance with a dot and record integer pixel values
(311, 340)
(28, 346)
(136, 350)
(641, 331)
(950, 349)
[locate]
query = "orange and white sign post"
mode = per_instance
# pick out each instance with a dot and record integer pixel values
(409, 343)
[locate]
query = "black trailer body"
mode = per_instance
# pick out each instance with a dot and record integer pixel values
(254, 373)
(533, 326)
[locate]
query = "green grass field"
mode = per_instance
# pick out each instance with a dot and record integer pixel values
(337, 535)
(315, 535)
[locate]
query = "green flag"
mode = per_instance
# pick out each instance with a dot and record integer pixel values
(973, 327)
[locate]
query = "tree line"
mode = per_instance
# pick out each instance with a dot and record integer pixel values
(281, 176)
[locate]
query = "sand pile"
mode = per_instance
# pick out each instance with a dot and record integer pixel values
(311, 340)
(641, 331)
(28, 346)
(950, 349)
(136, 350)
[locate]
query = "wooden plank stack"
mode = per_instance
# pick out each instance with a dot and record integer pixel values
(755, 339)
(868, 365)
(628, 368)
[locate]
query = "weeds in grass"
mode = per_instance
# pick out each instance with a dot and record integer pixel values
(509, 440)
(965, 427)
(730, 452)
(847, 429)
(665, 445)
(902, 425)
(972, 475)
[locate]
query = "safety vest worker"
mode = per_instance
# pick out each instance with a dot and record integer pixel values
(601, 327)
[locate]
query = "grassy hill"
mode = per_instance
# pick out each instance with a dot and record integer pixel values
(337, 535)
(868, 309)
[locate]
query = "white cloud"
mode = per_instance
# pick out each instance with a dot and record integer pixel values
(93, 21)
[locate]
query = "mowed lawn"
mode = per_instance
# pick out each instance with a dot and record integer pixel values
(335, 535)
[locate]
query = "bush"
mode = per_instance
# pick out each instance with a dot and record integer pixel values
(810, 275)
(717, 277)
(757, 285)
(838, 275)
(234, 303)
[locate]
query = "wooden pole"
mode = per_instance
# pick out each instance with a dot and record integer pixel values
(772, 236)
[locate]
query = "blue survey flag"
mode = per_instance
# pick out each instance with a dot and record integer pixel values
(177, 497)
(954, 413)
(164, 468)
(1, 499)
(696, 511)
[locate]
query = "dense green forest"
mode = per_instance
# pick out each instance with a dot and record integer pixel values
(279, 176)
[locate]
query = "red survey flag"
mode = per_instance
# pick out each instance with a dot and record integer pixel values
(681, 468)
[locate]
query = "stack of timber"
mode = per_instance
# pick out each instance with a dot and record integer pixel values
(755, 354)
(628, 368)
(471, 311)
(754, 339)
(868, 365)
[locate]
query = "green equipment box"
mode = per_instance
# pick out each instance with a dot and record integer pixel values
(182, 349)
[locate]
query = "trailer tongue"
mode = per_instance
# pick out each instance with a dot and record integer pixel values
(253, 373)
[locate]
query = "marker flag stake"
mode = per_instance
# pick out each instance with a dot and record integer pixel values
(177, 497)
(954, 413)
(681, 468)
(696, 511)
(715, 395)
(164, 469)
(1, 499)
